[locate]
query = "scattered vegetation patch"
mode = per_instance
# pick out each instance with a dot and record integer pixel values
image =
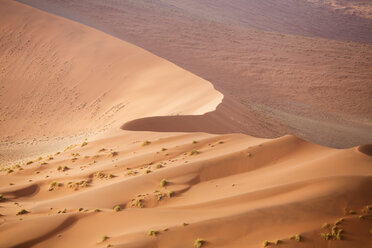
(153, 233)
(163, 183)
(298, 237)
(326, 225)
(193, 152)
(53, 185)
(139, 203)
(22, 211)
(326, 236)
(146, 142)
(199, 243)
(349, 211)
(113, 154)
(99, 174)
(62, 168)
(158, 166)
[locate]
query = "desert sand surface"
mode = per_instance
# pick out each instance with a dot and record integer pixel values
(294, 66)
(104, 144)
(62, 79)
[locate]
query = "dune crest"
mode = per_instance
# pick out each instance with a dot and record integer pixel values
(60, 78)
(145, 188)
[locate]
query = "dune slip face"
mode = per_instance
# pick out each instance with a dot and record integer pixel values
(70, 177)
(293, 66)
(60, 79)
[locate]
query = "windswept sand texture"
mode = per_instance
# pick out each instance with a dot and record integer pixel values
(294, 66)
(60, 78)
(142, 189)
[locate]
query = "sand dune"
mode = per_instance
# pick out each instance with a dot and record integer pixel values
(142, 189)
(60, 78)
(295, 66)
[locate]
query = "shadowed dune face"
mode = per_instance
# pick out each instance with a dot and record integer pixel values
(287, 62)
(366, 149)
(157, 189)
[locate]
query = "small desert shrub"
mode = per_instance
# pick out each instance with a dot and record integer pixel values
(109, 176)
(326, 236)
(9, 171)
(185, 224)
(104, 238)
(298, 237)
(361, 217)
(193, 152)
(2, 198)
(163, 149)
(139, 203)
(29, 162)
(326, 225)
(57, 153)
(22, 211)
(117, 208)
(339, 221)
(170, 193)
(148, 171)
(249, 154)
(153, 233)
(99, 174)
(81, 209)
(49, 158)
(158, 166)
(84, 144)
(265, 243)
(53, 185)
(113, 154)
(97, 210)
(145, 143)
(339, 234)
(194, 142)
(278, 241)
(102, 150)
(220, 142)
(163, 183)
(199, 243)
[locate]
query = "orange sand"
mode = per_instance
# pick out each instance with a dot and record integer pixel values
(64, 80)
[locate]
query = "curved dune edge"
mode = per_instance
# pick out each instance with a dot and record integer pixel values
(231, 190)
(62, 79)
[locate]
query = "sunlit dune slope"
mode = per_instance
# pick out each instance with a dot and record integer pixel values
(60, 78)
(230, 190)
